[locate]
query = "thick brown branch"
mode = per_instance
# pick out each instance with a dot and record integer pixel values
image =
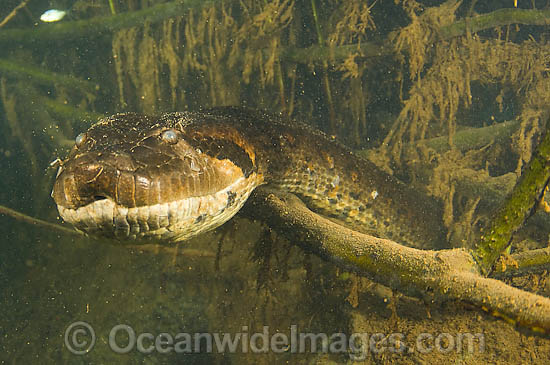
(440, 275)
(434, 275)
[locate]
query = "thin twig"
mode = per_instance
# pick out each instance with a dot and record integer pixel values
(154, 248)
(13, 12)
(172, 250)
(35, 221)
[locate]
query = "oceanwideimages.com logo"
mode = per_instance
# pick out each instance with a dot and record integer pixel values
(80, 338)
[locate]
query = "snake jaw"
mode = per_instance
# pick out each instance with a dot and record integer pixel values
(86, 201)
(170, 221)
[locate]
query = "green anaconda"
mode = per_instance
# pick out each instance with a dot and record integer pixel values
(168, 178)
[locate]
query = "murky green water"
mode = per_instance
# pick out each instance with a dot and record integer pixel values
(243, 294)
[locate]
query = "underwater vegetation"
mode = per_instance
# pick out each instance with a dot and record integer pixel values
(450, 96)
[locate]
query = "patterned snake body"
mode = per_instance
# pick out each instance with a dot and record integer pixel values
(135, 177)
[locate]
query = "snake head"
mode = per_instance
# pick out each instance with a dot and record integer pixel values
(135, 177)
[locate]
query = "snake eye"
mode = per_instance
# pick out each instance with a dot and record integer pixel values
(80, 140)
(169, 136)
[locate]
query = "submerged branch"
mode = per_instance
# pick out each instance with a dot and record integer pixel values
(13, 12)
(463, 140)
(474, 138)
(174, 250)
(496, 18)
(94, 27)
(35, 221)
(515, 210)
(39, 76)
(434, 275)
(318, 54)
(69, 112)
(522, 263)
(446, 274)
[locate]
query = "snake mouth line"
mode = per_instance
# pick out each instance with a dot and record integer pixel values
(171, 221)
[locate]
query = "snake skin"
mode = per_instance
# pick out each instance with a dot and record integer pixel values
(168, 178)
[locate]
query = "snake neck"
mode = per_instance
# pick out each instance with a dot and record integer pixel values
(331, 179)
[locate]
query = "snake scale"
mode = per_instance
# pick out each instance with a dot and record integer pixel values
(171, 177)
